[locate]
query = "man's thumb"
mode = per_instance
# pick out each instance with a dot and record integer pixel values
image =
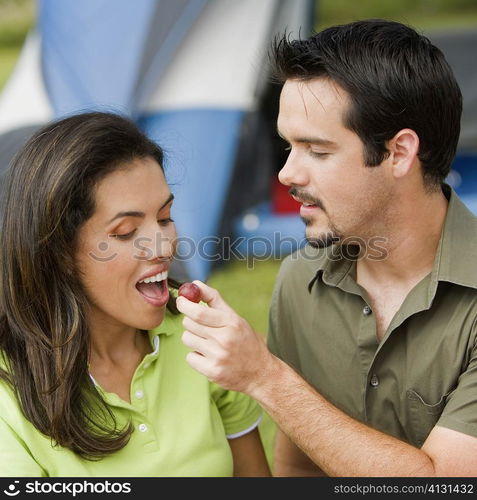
(212, 297)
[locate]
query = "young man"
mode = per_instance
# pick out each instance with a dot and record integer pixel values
(373, 326)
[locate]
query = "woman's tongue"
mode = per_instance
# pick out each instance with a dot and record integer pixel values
(153, 290)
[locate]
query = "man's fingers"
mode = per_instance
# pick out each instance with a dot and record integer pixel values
(196, 328)
(212, 297)
(194, 342)
(200, 363)
(200, 314)
(206, 347)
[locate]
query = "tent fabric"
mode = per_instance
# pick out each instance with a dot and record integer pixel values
(79, 76)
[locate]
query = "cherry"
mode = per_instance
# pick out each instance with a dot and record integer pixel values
(190, 292)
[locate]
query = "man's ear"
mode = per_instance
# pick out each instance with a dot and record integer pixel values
(403, 147)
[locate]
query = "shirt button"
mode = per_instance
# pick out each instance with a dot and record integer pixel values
(374, 382)
(367, 310)
(146, 365)
(139, 394)
(142, 428)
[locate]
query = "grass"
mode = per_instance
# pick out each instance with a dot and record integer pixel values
(16, 18)
(248, 290)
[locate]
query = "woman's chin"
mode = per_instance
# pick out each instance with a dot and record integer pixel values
(152, 320)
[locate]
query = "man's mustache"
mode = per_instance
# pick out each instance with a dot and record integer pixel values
(305, 197)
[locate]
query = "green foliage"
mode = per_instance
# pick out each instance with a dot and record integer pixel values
(423, 14)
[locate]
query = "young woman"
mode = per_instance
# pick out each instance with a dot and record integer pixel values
(93, 376)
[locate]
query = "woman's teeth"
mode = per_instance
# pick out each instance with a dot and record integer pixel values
(157, 277)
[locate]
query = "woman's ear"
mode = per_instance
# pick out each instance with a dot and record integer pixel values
(403, 147)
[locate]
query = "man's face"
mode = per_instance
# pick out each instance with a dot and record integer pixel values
(341, 197)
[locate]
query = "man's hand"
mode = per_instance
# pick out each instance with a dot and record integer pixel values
(225, 347)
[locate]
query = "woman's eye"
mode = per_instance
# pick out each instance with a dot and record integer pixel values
(126, 236)
(165, 222)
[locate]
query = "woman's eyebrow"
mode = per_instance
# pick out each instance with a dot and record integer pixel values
(139, 214)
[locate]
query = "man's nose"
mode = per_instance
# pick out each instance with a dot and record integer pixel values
(293, 173)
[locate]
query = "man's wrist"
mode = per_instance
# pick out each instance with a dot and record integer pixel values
(268, 380)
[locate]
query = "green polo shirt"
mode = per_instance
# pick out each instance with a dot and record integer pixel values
(423, 372)
(181, 423)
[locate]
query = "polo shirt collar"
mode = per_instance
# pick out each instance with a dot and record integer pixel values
(167, 326)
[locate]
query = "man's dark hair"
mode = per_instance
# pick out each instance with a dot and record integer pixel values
(395, 78)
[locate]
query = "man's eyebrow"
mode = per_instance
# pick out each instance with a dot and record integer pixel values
(134, 213)
(310, 140)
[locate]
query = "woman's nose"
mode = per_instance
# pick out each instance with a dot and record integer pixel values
(157, 244)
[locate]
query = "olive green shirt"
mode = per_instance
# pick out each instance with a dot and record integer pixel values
(423, 372)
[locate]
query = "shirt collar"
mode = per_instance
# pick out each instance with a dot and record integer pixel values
(455, 258)
(457, 252)
(167, 327)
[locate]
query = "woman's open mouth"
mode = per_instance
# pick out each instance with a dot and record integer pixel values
(154, 289)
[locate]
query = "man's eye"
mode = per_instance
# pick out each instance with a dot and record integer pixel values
(126, 236)
(165, 222)
(317, 154)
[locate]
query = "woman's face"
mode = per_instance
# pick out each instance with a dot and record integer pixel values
(125, 248)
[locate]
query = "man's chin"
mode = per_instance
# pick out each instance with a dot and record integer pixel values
(322, 240)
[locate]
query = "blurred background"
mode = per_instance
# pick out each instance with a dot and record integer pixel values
(194, 75)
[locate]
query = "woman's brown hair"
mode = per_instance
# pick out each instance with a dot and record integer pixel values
(49, 194)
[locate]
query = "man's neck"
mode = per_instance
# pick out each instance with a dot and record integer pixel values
(410, 242)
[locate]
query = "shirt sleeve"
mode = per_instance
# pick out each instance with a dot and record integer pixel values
(460, 411)
(15, 459)
(240, 413)
(272, 334)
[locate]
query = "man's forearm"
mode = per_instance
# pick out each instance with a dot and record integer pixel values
(338, 444)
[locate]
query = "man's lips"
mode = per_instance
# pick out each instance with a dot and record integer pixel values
(307, 210)
(307, 207)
